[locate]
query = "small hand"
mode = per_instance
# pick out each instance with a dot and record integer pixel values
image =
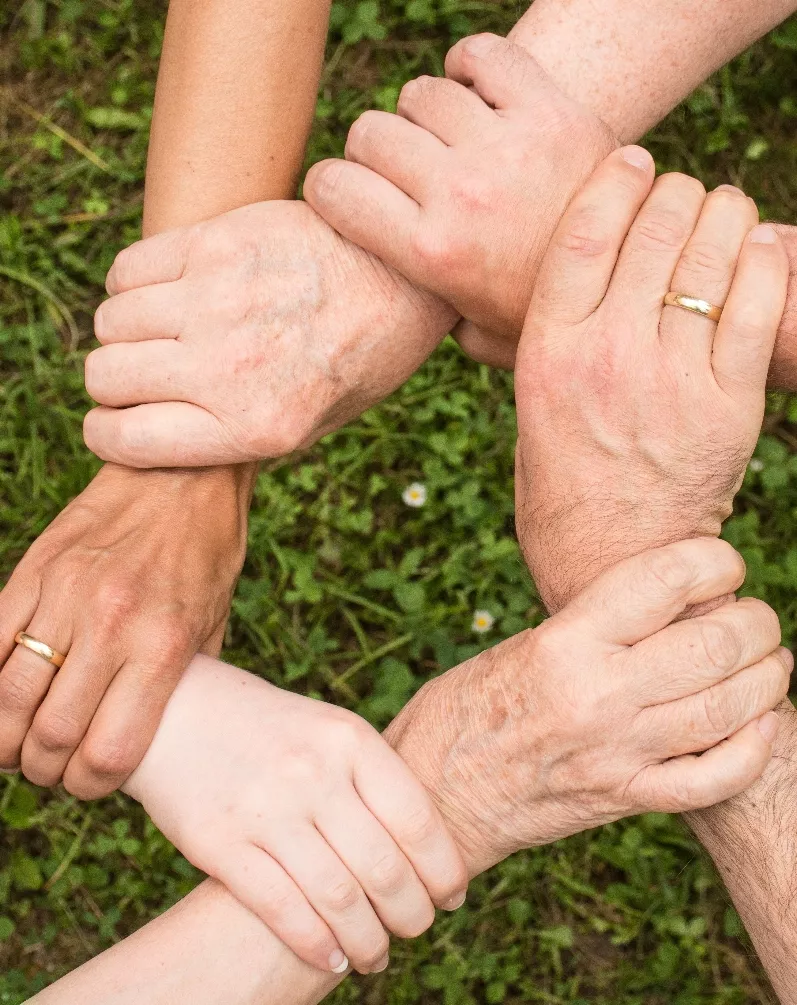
(462, 189)
(303, 811)
(637, 421)
(248, 337)
(598, 714)
(131, 580)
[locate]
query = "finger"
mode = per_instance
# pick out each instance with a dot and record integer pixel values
(166, 435)
(138, 373)
(581, 258)
(694, 783)
(262, 885)
(379, 866)
(18, 602)
(159, 259)
(367, 209)
(126, 720)
(150, 312)
(334, 893)
(654, 246)
(694, 724)
(67, 710)
(643, 594)
(504, 74)
(445, 109)
(403, 153)
(406, 811)
(26, 679)
(706, 268)
(745, 338)
(493, 349)
(690, 656)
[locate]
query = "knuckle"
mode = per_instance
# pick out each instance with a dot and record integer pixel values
(108, 756)
(18, 693)
(720, 644)
(661, 229)
(54, 731)
(388, 874)
(585, 236)
(341, 895)
(93, 374)
(122, 270)
(701, 257)
(377, 951)
(415, 91)
(115, 601)
(360, 130)
(420, 826)
(721, 710)
(668, 568)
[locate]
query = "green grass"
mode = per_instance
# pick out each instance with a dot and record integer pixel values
(347, 593)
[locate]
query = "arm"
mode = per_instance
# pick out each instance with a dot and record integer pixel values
(230, 127)
(476, 240)
(544, 769)
(636, 426)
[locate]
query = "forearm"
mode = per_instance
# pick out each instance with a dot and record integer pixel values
(236, 93)
(632, 61)
(753, 841)
(205, 950)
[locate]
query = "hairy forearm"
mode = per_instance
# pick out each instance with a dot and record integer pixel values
(632, 61)
(753, 841)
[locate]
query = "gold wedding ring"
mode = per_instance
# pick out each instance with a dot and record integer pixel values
(40, 648)
(694, 304)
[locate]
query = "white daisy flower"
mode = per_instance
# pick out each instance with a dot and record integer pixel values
(414, 495)
(756, 465)
(483, 621)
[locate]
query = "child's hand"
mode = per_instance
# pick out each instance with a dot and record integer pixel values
(637, 420)
(303, 811)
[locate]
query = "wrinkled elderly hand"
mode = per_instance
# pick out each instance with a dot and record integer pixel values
(637, 421)
(598, 713)
(131, 580)
(248, 337)
(462, 189)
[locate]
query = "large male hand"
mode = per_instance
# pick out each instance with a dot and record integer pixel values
(637, 421)
(131, 580)
(248, 337)
(462, 189)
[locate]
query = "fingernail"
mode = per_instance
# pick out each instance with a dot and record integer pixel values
(762, 234)
(729, 188)
(455, 902)
(769, 725)
(637, 157)
(381, 965)
(338, 963)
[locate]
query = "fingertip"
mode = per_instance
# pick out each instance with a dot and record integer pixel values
(763, 234)
(769, 726)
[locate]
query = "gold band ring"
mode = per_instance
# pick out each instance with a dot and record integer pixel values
(694, 304)
(40, 648)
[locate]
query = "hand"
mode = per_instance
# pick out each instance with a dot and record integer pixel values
(248, 337)
(131, 580)
(637, 421)
(597, 714)
(461, 191)
(303, 811)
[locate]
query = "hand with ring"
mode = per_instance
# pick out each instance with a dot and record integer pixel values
(642, 369)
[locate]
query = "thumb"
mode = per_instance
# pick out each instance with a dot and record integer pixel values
(159, 259)
(172, 434)
(502, 73)
(642, 595)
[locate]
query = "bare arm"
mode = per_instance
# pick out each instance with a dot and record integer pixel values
(236, 94)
